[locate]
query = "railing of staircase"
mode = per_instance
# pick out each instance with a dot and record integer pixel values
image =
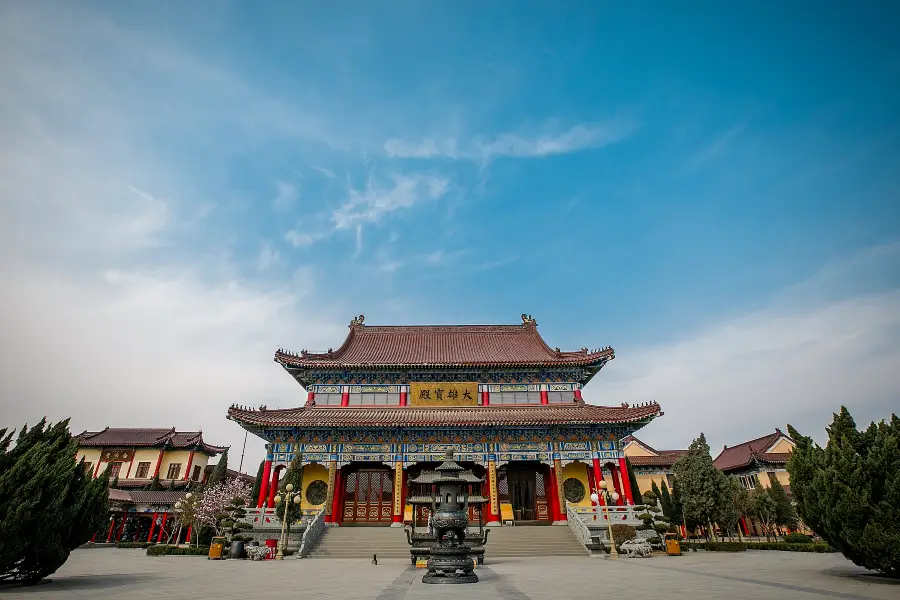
(578, 526)
(314, 529)
(598, 515)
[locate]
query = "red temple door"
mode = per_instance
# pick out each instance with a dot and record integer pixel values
(369, 496)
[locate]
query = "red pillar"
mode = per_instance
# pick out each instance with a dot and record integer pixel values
(345, 396)
(190, 528)
(128, 474)
(273, 488)
(121, 527)
(743, 523)
(152, 526)
(310, 396)
(162, 527)
(97, 468)
(187, 472)
(158, 462)
(112, 525)
(264, 486)
(337, 505)
(578, 394)
(402, 398)
(493, 515)
(614, 471)
(626, 480)
(545, 397)
(485, 398)
(555, 508)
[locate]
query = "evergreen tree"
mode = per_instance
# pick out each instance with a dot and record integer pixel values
(733, 506)
(155, 484)
(656, 493)
(49, 504)
(849, 491)
(635, 488)
(702, 484)
(763, 509)
(668, 506)
(257, 483)
(786, 513)
(218, 473)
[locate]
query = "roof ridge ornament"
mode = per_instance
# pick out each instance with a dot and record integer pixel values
(357, 321)
(528, 320)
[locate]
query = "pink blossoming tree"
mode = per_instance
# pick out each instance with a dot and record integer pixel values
(219, 503)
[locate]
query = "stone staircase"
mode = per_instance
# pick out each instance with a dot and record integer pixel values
(554, 540)
(361, 542)
(390, 542)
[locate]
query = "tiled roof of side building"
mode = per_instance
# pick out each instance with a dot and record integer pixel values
(146, 437)
(462, 416)
(743, 454)
(663, 460)
(658, 453)
(444, 345)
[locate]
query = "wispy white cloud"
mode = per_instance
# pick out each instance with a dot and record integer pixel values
(286, 194)
(718, 146)
(378, 199)
(518, 145)
(788, 363)
(358, 251)
(268, 256)
(323, 171)
(299, 238)
(496, 263)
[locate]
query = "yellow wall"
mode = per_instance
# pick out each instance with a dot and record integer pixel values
(633, 449)
(312, 473)
(783, 445)
(645, 482)
(578, 470)
(149, 455)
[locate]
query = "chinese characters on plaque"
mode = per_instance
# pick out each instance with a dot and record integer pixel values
(443, 394)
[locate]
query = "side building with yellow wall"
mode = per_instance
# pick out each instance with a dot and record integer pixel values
(649, 464)
(757, 462)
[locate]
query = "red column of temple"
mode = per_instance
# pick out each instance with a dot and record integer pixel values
(112, 525)
(190, 529)
(336, 505)
(555, 509)
(97, 468)
(744, 527)
(545, 397)
(310, 396)
(626, 480)
(187, 472)
(264, 487)
(345, 395)
(592, 485)
(162, 528)
(121, 527)
(158, 462)
(402, 398)
(94, 538)
(614, 471)
(578, 394)
(273, 488)
(485, 397)
(152, 526)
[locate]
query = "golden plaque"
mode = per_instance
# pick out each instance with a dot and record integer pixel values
(443, 394)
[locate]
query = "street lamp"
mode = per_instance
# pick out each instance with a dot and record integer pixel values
(289, 488)
(614, 497)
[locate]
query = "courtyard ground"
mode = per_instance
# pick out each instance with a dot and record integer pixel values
(107, 574)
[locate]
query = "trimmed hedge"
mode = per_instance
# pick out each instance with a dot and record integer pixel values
(134, 544)
(162, 550)
(743, 546)
(798, 538)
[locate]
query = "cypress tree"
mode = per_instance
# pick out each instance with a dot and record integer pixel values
(49, 505)
(257, 483)
(218, 473)
(668, 506)
(635, 488)
(155, 484)
(786, 515)
(294, 476)
(657, 494)
(849, 491)
(702, 484)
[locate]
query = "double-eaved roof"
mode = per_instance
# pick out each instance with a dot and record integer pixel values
(112, 437)
(577, 413)
(383, 346)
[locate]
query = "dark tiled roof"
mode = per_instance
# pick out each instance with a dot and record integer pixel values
(158, 497)
(146, 437)
(775, 458)
(663, 460)
(462, 416)
(232, 474)
(743, 454)
(139, 483)
(444, 345)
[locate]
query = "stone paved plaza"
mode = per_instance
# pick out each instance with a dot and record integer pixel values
(130, 574)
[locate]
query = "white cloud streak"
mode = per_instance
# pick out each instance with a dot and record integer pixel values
(377, 200)
(516, 145)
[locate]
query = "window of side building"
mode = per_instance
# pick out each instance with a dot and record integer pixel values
(114, 469)
(174, 471)
(143, 470)
(196, 475)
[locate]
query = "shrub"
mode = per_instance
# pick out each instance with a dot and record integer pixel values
(661, 527)
(782, 546)
(623, 533)
(716, 546)
(654, 540)
(798, 538)
(134, 544)
(163, 550)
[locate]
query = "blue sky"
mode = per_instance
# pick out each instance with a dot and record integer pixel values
(712, 189)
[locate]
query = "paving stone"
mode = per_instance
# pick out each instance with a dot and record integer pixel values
(113, 574)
